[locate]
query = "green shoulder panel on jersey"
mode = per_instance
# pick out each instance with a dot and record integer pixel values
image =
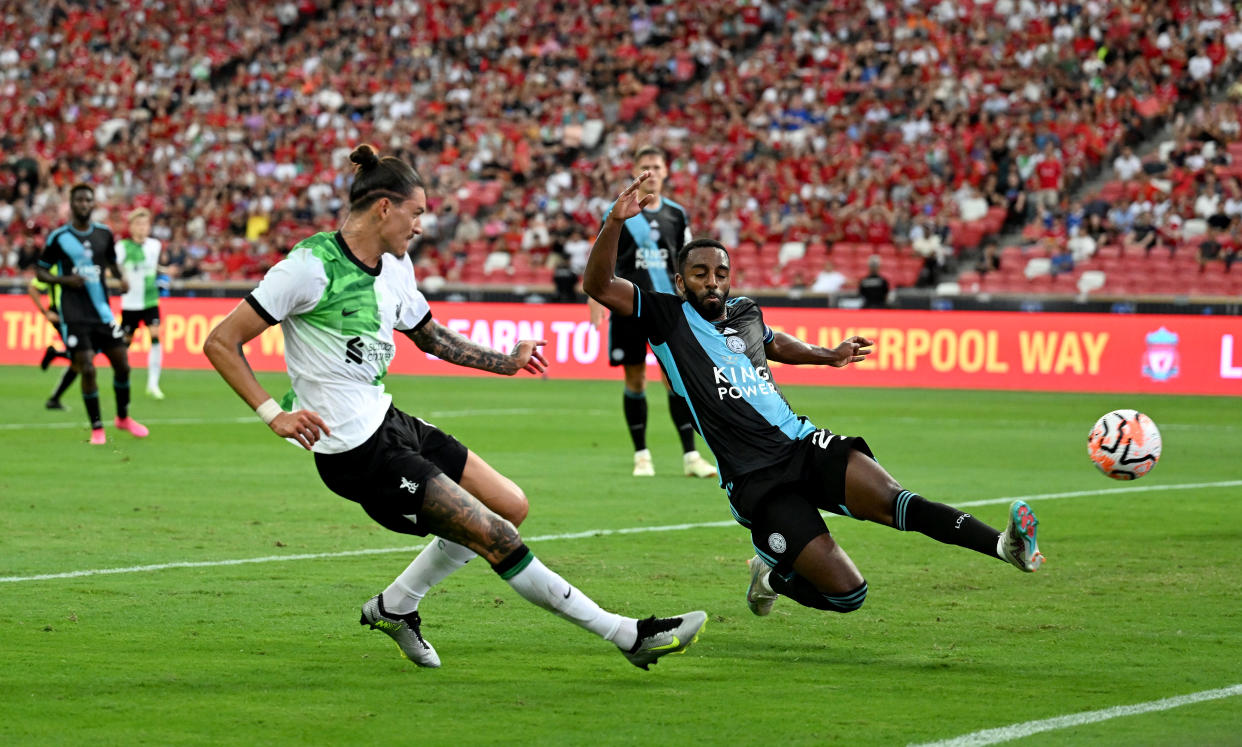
(348, 304)
(133, 253)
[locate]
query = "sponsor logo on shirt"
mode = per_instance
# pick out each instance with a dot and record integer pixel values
(651, 256)
(375, 351)
(739, 382)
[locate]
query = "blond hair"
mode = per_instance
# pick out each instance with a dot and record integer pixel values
(137, 213)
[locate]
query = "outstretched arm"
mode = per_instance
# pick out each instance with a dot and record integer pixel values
(599, 281)
(224, 349)
(786, 348)
(444, 343)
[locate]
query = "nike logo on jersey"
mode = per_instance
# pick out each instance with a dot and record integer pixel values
(348, 312)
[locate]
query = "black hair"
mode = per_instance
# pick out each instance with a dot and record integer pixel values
(697, 244)
(80, 187)
(376, 177)
(650, 150)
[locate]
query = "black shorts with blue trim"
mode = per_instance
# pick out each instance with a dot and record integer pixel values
(388, 473)
(627, 342)
(780, 503)
(91, 336)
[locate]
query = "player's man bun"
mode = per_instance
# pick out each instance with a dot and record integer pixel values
(365, 157)
(376, 178)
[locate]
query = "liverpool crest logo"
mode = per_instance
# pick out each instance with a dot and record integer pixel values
(1161, 361)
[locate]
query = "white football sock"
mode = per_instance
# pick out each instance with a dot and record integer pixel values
(543, 587)
(434, 564)
(155, 359)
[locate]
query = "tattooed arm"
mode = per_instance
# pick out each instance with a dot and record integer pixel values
(442, 342)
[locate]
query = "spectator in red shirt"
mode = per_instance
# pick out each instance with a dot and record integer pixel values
(1048, 177)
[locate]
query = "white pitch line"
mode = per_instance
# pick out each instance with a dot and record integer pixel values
(1102, 491)
(564, 536)
(975, 422)
(146, 421)
(1027, 728)
(523, 411)
(512, 412)
(343, 553)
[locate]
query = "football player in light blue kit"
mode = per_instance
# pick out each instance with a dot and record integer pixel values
(75, 260)
(778, 469)
(338, 297)
(646, 255)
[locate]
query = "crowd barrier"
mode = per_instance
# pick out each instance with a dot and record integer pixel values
(954, 350)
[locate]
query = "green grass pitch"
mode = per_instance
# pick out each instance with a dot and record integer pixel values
(1138, 601)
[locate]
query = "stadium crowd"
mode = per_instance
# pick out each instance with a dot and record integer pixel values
(800, 133)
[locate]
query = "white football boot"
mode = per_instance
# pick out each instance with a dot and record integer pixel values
(661, 636)
(694, 465)
(643, 466)
(404, 629)
(759, 597)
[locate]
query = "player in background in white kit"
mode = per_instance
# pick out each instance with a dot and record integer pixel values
(139, 259)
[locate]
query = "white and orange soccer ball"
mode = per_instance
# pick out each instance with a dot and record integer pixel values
(1124, 444)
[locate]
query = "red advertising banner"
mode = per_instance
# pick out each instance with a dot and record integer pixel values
(955, 350)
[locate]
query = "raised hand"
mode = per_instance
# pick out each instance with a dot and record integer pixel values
(629, 203)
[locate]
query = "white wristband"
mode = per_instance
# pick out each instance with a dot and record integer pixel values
(268, 411)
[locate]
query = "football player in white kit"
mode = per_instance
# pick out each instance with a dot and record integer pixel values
(338, 297)
(139, 259)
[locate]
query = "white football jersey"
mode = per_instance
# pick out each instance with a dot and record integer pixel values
(140, 264)
(338, 318)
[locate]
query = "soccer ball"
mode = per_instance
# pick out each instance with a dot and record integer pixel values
(1124, 444)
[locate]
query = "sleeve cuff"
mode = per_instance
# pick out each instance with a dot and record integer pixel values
(258, 307)
(422, 323)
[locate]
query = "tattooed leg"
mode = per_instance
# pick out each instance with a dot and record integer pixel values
(452, 513)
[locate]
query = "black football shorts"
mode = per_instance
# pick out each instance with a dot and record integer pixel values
(627, 344)
(780, 503)
(131, 319)
(91, 336)
(388, 473)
